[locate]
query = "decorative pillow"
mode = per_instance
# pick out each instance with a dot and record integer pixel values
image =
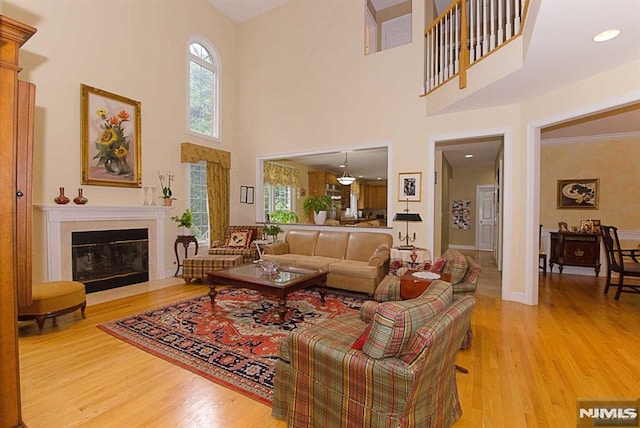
(395, 322)
(457, 267)
(363, 338)
(238, 239)
(438, 265)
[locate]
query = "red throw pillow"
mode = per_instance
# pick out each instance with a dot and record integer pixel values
(359, 343)
(438, 265)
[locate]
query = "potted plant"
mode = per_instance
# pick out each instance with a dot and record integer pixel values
(167, 194)
(273, 231)
(318, 205)
(185, 221)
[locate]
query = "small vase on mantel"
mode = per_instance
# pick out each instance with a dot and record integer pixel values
(61, 199)
(167, 202)
(80, 199)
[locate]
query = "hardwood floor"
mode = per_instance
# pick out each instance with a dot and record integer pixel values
(528, 365)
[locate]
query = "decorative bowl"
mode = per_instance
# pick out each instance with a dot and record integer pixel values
(268, 267)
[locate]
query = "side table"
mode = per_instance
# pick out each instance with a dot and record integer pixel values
(260, 244)
(414, 259)
(412, 286)
(185, 240)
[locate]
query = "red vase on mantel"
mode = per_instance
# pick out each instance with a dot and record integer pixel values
(80, 199)
(61, 199)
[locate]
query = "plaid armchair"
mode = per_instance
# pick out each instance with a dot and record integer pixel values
(392, 365)
(464, 270)
(237, 243)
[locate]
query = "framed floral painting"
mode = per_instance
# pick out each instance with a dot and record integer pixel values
(111, 144)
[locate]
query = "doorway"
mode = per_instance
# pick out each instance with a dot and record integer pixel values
(466, 168)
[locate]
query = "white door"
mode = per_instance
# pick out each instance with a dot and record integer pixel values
(485, 223)
(396, 31)
(370, 34)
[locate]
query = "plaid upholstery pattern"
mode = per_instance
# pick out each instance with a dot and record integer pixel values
(456, 265)
(197, 267)
(395, 322)
(248, 254)
(388, 289)
(321, 382)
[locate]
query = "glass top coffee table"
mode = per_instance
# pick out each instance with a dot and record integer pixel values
(286, 280)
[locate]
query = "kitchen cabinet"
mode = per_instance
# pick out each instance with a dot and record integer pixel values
(376, 197)
(318, 181)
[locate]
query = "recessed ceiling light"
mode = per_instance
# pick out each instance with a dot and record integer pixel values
(468, 156)
(606, 35)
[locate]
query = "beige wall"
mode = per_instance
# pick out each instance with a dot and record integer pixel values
(137, 49)
(463, 187)
(614, 163)
(289, 86)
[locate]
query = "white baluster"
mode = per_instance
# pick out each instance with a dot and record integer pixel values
(500, 24)
(485, 38)
(518, 10)
(492, 38)
(509, 20)
(478, 41)
(456, 65)
(472, 56)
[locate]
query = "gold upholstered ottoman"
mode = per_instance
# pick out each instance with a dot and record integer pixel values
(54, 298)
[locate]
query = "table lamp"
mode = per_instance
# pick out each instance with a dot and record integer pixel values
(408, 217)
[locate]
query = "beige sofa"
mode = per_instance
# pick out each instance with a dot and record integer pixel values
(356, 261)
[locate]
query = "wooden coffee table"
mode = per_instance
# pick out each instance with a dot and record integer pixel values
(412, 286)
(287, 280)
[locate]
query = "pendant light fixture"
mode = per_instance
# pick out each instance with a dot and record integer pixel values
(346, 179)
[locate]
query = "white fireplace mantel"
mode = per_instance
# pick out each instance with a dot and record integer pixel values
(84, 215)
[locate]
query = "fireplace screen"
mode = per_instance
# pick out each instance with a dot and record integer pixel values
(105, 259)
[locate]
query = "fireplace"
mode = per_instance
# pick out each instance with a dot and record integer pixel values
(59, 222)
(105, 259)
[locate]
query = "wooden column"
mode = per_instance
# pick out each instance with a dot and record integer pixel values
(13, 35)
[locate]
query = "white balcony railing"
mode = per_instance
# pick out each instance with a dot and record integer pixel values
(467, 31)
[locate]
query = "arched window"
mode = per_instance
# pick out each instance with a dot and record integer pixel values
(204, 90)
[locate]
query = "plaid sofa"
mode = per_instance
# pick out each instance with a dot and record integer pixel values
(249, 253)
(402, 377)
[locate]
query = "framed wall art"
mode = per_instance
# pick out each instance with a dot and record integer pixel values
(409, 186)
(578, 194)
(111, 146)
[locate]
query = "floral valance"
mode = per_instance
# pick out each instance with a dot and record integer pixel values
(193, 153)
(280, 175)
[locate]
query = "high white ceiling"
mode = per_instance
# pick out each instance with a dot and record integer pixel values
(561, 51)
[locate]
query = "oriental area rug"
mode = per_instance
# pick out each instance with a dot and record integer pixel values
(234, 344)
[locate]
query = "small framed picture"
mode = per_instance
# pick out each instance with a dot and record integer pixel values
(409, 186)
(595, 226)
(578, 194)
(243, 194)
(249, 195)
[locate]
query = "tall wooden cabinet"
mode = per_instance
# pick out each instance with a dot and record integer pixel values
(16, 136)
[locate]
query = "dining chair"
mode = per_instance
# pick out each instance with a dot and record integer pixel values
(625, 263)
(542, 254)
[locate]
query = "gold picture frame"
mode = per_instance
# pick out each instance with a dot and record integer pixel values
(410, 186)
(111, 147)
(579, 194)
